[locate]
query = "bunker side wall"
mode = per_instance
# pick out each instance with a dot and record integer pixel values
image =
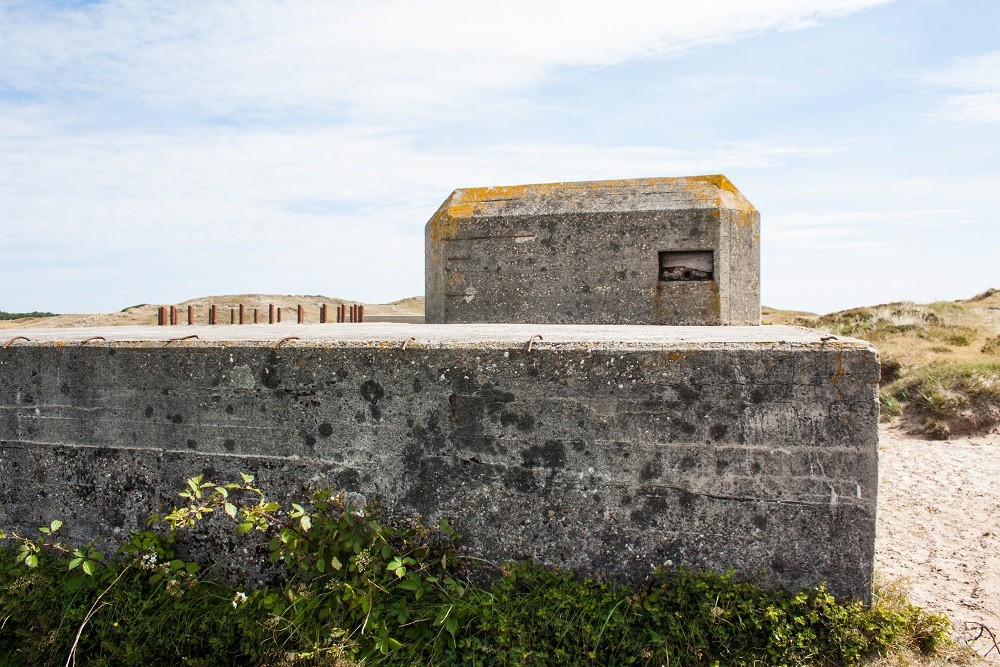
(602, 268)
(757, 457)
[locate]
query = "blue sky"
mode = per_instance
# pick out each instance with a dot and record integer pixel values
(152, 152)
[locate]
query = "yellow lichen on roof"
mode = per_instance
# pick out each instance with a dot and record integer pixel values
(538, 190)
(446, 221)
(721, 185)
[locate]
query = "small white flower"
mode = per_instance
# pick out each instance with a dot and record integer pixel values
(148, 561)
(239, 599)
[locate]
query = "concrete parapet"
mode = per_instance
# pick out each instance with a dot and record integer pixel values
(678, 251)
(609, 449)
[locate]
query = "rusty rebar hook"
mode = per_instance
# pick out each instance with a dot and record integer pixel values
(93, 338)
(11, 341)
(408, 341)
(531, 341)
(175, 340)
(284, 340)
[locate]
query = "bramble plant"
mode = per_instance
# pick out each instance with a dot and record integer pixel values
(353, 590)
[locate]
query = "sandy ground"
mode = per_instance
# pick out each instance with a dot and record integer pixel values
(939, 526)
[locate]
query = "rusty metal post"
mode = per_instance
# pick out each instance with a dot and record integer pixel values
(340, 314)
(322, 314)
(361, 313)
(213, 314)
(270, 313)
(255, 316)
(300, 314)
(190, 315)
(173, 315)
(279, 314)
(241, 313)
(232, 316)
(161, 316)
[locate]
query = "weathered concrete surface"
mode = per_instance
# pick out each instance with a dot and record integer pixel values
(680, 251)
(603, 448)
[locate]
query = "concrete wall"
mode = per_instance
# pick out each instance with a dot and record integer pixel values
(591, 253)
(610, 449)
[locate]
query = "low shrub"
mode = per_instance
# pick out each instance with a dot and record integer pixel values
(17, 316)
(356, 591)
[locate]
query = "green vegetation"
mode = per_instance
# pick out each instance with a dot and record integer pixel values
(957, 397)
(18, 316)
(345, 589)
(940, 361)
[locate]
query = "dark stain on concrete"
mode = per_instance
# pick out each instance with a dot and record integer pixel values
(652, 469)
(372, 391)
(550, 455)
(270, 376)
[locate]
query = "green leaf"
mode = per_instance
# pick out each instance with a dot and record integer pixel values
(411, 583)
(90, 567)
(321, 566)
(31, 561)
(246, 478)
(230, 510)
(244, 528)
(335, 563)
(55, 525)
(451, 625)
(305, 522)
(393, 644)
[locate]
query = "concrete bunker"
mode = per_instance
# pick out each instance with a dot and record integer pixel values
(674, 251)
(601, 448)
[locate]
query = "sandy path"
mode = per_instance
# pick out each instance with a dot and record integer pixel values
(939, 524)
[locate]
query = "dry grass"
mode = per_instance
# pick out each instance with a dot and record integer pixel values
(940, 361)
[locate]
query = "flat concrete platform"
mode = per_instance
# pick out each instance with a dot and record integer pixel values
(380, 334)
(608, 449)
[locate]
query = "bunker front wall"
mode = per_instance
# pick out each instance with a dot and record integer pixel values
(603, 457)
(591, 253)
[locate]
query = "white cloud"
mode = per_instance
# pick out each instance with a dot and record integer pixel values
(369, 60)
(811, 235)
(979, 77)
(201, 184)
(271, 209)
